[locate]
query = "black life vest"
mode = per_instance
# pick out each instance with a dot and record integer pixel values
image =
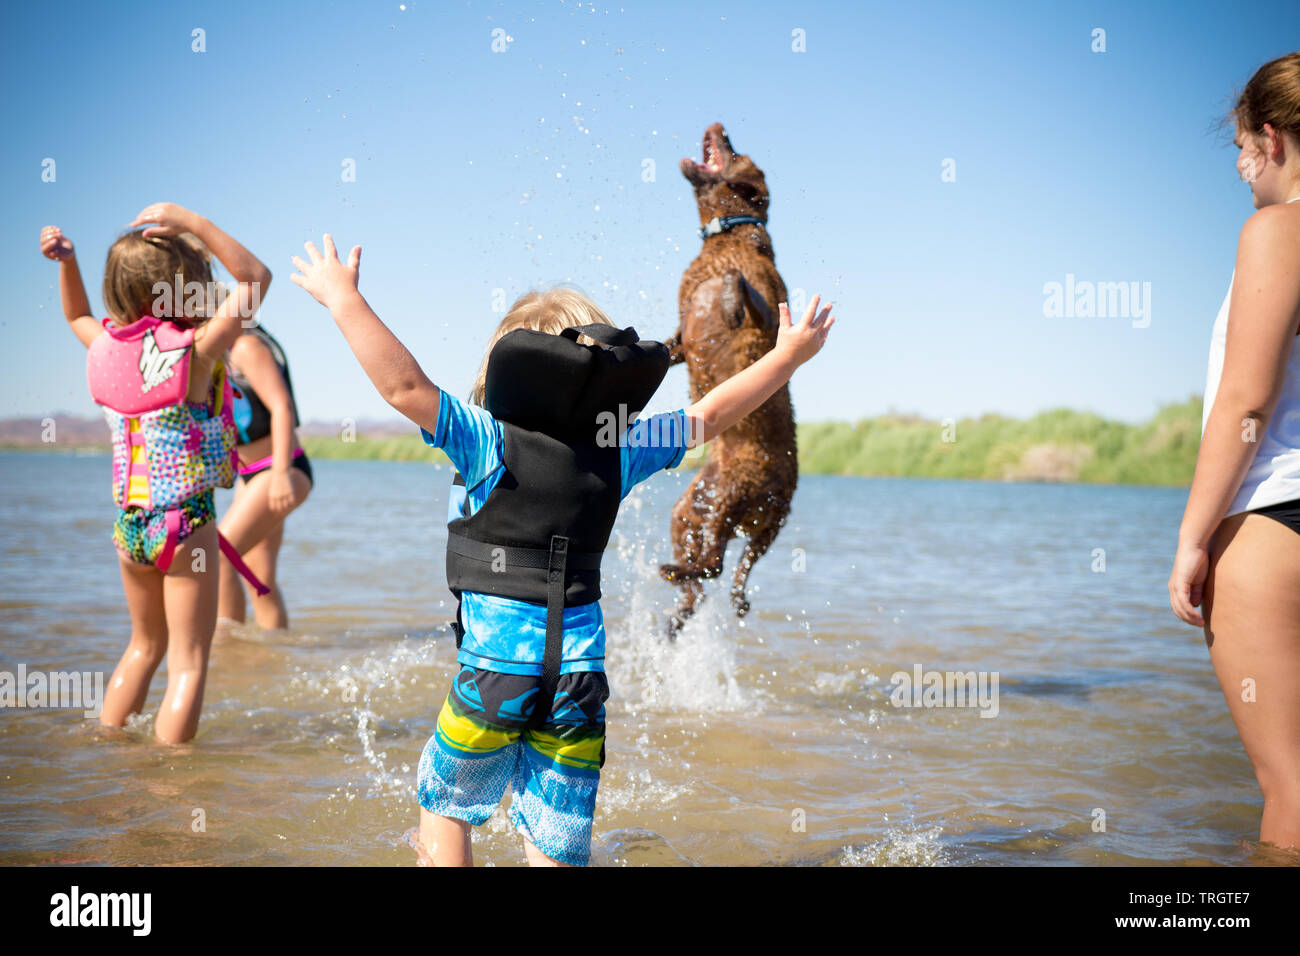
(541, 532)
(252, 417)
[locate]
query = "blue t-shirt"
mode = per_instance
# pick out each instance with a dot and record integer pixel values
(503, 634)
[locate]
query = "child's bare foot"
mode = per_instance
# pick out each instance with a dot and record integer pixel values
(412, 839)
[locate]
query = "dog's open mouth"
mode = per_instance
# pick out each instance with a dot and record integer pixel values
(714, 153)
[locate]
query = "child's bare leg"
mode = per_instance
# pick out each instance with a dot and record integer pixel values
(268, 609)
(230, 604)
(128, 688)
(537, 858)
(248, 524)
(445, 839)
(190, 597)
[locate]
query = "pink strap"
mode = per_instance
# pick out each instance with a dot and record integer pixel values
(265, 462)
(238, 564)
(164, 561)
(173, 519)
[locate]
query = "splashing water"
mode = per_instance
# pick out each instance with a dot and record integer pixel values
(379, 688)
(900, 847)
(698, 671)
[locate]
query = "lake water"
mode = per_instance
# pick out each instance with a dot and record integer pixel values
(775, 742)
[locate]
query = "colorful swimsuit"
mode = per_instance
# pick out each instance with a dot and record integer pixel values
(168, 453)
(140, 532)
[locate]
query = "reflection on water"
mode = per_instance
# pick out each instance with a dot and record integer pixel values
(774, 741)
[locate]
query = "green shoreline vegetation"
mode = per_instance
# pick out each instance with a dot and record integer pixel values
(1059, 445)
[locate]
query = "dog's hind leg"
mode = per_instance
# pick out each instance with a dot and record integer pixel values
(756, 545)
(701, 528)
(699, 567)
(685, 529)
(691, 593)
(700, 532)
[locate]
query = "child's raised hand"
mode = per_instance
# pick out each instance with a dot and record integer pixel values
(804, 340)
(325, 277)
(55, 245)
(168, 218)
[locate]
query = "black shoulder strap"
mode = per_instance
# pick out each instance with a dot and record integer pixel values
(277, 350)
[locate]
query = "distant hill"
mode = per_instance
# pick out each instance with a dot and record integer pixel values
(1058, 446)
(67, 432)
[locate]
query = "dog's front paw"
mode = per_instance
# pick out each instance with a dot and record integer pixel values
(670, 572)
(739, 604)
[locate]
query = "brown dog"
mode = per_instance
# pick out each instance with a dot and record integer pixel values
(727, 305)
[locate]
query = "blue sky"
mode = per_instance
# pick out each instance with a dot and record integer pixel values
(478, 171)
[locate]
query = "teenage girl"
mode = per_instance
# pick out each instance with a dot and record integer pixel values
(274, 475)
(173, 614)
(1238, 552)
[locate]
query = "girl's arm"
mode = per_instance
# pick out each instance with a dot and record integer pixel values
(218, 333)
(72, 291)
(742, 393)
(392, 369)
(257, 365)
(1265, 312)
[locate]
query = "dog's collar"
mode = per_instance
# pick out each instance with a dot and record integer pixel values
(716, 225)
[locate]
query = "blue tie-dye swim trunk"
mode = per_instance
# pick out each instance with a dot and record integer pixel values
(481, 745)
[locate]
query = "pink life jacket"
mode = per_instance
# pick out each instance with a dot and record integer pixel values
(140, 374)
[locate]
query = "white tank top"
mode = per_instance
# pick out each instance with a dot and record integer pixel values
(1274, 475)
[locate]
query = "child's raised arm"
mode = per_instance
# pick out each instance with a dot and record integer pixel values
(219, 332)
(742, 393)
(391, 368)
(72, 291)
